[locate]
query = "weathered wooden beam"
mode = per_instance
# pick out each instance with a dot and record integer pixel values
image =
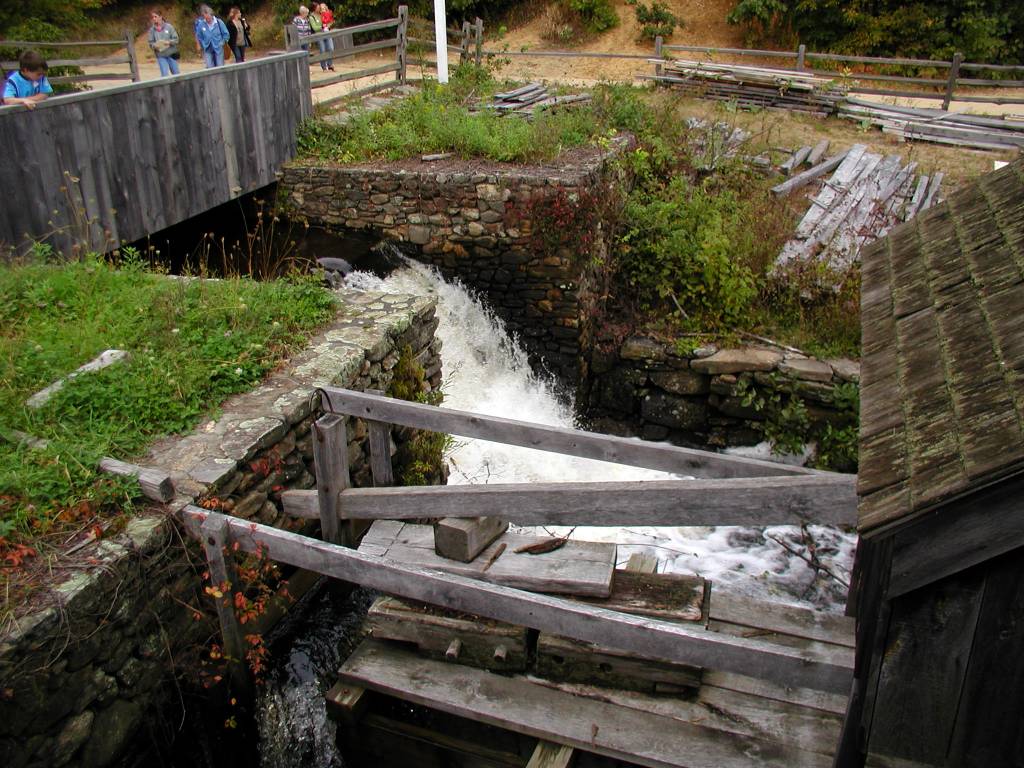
(573, 442)
(741, 501)
(464, 538)
(549, 755)
(808, 176)
(643, 636)
(154, 483)
(214, 533)
(104, 359)
(330, 456)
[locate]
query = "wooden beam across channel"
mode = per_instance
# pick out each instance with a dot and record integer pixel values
(571, 442)
(644, 636)
(815, 499)
(640, 738)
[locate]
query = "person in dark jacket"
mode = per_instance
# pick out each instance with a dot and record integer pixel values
(238, 33)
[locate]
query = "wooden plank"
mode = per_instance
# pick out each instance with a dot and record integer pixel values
(214, 534)
(568, 441)
(380, 454)
(818, 152)
(928, 642)
(642, 562)
(154, 483)
(741, 501)
(787, 619)
(345, 77)
(330, 456)
(645, 637)
(804, 178)
(796, 159)
(636, 737)
(464, 539)
(578, 568)
(346, 703)
(549, 755)
(433, 629)
(103, 360)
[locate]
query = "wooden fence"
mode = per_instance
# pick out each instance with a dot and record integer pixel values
(127, 43)
(950, 88)
(345, 47)
(745, 490)
(101, 168)
(467, 41)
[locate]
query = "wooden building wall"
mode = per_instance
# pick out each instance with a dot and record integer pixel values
(100, 168)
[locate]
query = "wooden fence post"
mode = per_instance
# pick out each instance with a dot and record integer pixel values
(478, 33)
(801, 51)
(464, 43)
(289, 42)
(133, 61)
(330, 457)
(403, 41)
(954, 73)
(214, 531)
(659, 41)
(380, 450)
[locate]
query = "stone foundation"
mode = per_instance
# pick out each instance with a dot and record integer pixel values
(476, 221)
(79, 676)
(647, 388)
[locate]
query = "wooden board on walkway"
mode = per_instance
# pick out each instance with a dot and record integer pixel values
(578, 568)
(586, 724)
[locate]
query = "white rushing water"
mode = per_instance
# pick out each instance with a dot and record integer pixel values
(486, 371)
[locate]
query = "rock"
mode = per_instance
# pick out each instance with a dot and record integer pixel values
(74, 734)
(111, 732)
(733, 406)
(681, 382)
(845, 369)
(806, 369)
(674, 412)
(738, 360)
(706, 351)
(474, 229)
(639, 348)
(419, 234)
(617, 391)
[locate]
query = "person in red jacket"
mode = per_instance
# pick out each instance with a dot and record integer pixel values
(327, 20)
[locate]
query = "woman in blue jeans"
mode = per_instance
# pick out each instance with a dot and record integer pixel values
(238, 33)
(211, 35)
(163, 39)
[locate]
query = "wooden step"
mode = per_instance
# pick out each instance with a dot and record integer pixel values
(589, 725)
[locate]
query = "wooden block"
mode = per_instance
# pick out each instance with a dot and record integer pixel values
(579, 568)
(155, 484)
(433, 630)
(621, 733)
(463, 539)
(642, 562)
(345, 702)
(548, 755)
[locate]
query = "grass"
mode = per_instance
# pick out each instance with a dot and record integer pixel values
(191, 343)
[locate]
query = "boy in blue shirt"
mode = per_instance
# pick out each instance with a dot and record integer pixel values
(29, 84)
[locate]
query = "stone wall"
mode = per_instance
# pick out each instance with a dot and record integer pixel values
(473, 220)
(79, 675)
(647, 388)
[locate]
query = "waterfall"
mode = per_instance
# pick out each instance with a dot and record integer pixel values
(486, 371)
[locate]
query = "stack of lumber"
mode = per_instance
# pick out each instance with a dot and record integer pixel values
(936, 125)
(533, 98)
(864, 198)
(750, 86)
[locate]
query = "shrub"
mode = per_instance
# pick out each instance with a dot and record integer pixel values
(597, 15)
(656, 20)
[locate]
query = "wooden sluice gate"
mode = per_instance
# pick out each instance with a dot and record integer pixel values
(498, 648)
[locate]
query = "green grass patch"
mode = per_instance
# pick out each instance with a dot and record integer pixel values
(191, 343)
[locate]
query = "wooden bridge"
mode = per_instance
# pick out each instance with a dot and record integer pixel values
(90, 171)
(813, 658)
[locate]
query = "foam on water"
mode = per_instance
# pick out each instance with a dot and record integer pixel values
(487, 372)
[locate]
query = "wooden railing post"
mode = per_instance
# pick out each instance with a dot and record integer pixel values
(330, 457)
(954, 73)
(659, 41)
(464, 43)
(380, 450)
(214, 531)
(133, 61)
(403, 42)
(289, 37)
(801, 52)
(478, 33)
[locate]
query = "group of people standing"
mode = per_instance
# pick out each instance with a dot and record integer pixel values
(309, 22)
(211, 35)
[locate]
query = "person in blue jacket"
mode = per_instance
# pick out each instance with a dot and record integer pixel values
(29, 84)
(211, 36)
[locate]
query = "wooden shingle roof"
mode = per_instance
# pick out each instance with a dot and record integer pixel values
(942, 370)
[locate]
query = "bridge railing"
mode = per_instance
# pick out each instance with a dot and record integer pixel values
(126, 43)
(345, 48)
(769, 493)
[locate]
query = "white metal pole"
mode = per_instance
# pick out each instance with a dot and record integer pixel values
(441, 37)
